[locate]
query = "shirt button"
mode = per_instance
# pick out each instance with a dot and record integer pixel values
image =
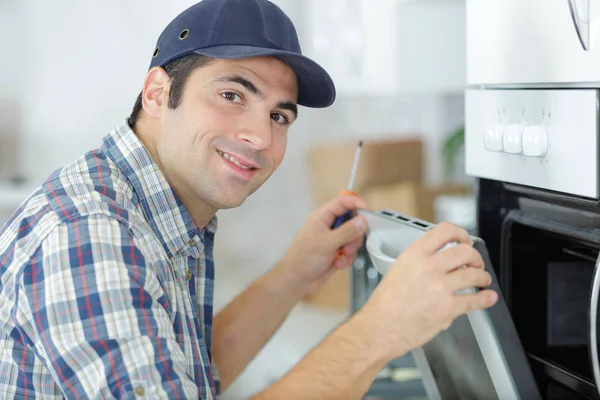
(188, 275)
(140, 391)
(192, 242)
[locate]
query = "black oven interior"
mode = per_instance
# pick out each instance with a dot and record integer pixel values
(544, 248)
(550, 283)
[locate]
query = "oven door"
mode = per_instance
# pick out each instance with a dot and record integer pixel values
(533, 42)
(550, 279)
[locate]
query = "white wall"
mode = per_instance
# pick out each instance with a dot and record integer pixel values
(13, 42)
(85, 64)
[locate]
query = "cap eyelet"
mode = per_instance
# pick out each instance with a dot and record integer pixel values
(184, 34)
(156, 52)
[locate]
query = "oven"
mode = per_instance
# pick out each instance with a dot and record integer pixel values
(531, 141)
(544, 247)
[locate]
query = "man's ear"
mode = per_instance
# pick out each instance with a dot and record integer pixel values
(155, 94)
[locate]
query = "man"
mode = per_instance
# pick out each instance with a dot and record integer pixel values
(106, 271)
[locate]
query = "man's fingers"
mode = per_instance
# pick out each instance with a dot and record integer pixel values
(465, 278)
(352, 247)
(339, 205)
(344, 261)
(475, 301)
(350, 231)
(457, 256)
(440, 236)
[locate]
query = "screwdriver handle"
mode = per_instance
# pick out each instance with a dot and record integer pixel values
(340, 219)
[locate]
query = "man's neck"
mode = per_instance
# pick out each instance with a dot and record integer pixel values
(200, 212)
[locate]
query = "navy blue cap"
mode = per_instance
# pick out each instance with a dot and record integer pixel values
(241, 29)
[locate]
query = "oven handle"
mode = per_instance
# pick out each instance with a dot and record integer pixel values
(594, 324)
(581, 22)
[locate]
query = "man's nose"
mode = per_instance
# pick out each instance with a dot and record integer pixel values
(257, 132)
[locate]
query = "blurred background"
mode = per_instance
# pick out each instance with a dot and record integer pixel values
(71, 70)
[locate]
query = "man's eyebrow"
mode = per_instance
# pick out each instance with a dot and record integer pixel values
(288, 105)
(251, 87)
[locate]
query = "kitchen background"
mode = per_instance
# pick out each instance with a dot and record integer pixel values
(70, 70)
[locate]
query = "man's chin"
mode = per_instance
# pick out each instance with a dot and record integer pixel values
(226, 202)
(231, 199)
(231, 204)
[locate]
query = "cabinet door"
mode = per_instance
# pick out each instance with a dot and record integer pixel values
(431, 50)
(394, 47)
(533, 41)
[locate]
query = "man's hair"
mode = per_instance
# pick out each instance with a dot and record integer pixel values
(179, 71)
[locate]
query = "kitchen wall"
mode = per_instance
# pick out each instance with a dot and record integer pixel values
(75, 68)
(81, 66)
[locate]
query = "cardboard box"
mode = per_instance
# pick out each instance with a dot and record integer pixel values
(381, 163)
(410, 198)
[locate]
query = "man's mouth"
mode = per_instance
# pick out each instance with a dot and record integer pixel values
(235, 161)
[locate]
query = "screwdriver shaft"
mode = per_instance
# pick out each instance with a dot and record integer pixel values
(355, 166)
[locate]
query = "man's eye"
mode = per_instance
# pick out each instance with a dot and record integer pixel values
(280, 118)
(231, 96)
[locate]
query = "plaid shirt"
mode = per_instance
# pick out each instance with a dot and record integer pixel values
(106, 284)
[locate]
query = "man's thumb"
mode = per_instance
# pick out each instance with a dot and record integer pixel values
(348, 231)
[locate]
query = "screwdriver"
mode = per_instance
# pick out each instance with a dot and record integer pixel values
(347, 215)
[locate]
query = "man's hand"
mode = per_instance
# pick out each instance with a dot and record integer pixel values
(243, 327)
(416, 299)
(313, 255)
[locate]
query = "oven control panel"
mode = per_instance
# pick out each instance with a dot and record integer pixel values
(541, 138)
(529, 140)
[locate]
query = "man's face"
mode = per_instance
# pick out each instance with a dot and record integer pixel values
(229, 132)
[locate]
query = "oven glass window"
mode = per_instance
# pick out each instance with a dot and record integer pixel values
(549, 292)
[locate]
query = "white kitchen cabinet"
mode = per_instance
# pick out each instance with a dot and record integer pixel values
(431, 46)
(533, 41)
(389, 46)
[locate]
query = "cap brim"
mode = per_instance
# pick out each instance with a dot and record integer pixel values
(315, 87)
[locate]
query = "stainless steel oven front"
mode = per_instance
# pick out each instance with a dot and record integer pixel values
(531, 140)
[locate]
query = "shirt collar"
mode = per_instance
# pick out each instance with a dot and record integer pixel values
(162, 207)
